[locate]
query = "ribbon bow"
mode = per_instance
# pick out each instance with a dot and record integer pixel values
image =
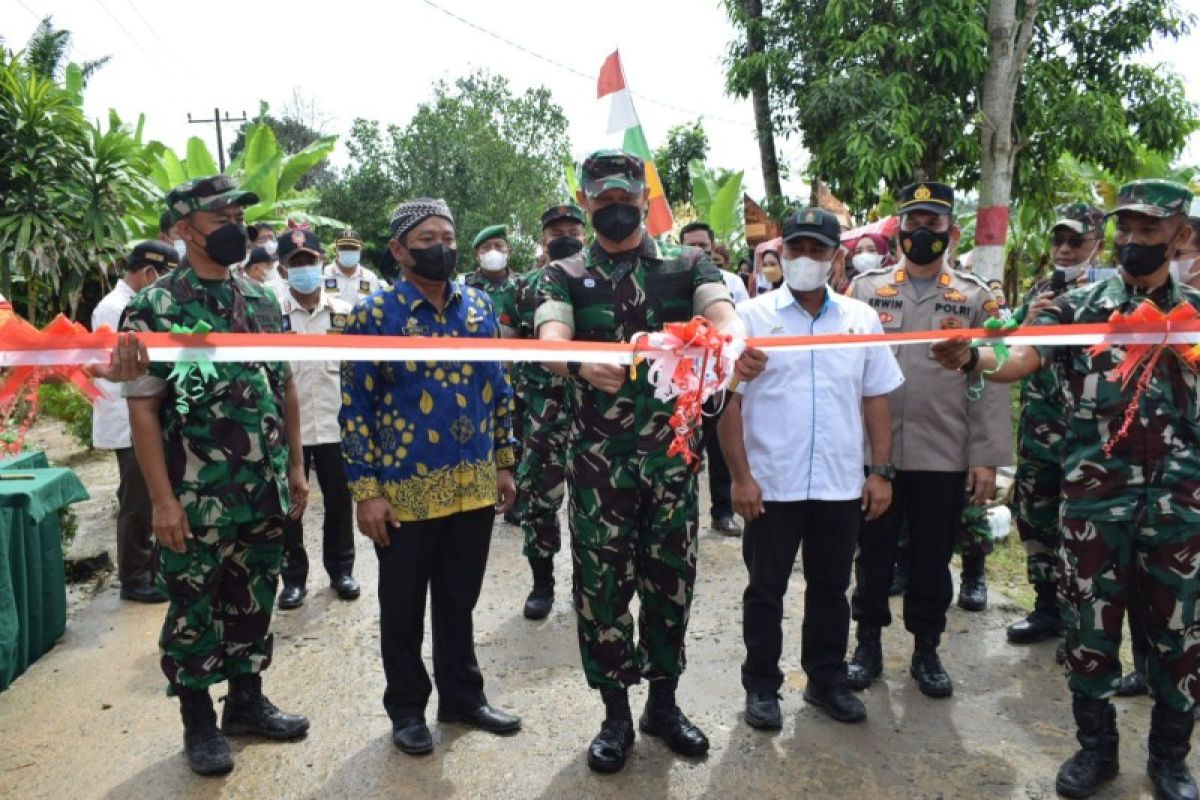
(191, 376)
(994, 326)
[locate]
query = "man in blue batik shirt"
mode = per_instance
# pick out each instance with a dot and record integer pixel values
(429, 455)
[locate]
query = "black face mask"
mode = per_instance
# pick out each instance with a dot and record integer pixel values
(923, 246)
(1141, 259)
(435, 263)
(563, 247)
(227, 244)
(617, 221)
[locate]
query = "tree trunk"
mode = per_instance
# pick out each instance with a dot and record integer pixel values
(1008, 44)
(759, 92)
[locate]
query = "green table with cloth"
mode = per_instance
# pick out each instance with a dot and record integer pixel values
(28, 459)
(33, 588)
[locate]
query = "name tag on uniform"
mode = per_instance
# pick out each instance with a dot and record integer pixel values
(331, 283)
(364, 287)
(337, 322)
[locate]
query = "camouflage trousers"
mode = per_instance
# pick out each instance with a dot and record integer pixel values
(1101, 562)
(625, 541)
(975, 534)
(222, 593)
(1036, 503)
(542, 472)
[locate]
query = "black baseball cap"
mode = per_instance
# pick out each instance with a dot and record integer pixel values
(258, 255)
(296, 241)
(160, 255)
(926, 196)
(813, 223)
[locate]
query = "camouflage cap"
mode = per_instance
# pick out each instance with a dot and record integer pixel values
(206, 194)
(1153, 197)
(566, 211)
(490, 232)
(612, 169)
(1079, 217)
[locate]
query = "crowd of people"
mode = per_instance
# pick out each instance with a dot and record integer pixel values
(876, 462)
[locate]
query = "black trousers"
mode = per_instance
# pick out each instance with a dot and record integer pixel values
(337, 545)
(931, 503)
(719, 479)
(828, 532)
(136, 558)
(445, 557)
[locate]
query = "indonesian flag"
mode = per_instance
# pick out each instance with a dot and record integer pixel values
(623, 117)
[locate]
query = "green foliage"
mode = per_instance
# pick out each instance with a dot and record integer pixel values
(494, 156)
(885, 92)
(65, 403)
(293, 135)
(717, 201)
(685, 144)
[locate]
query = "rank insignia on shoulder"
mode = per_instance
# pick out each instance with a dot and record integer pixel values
(338, 321)
(991, 306)
(951, 323)
(364, 287)
(955, 296)
(331, 283)
(888, 290)
(944, 280)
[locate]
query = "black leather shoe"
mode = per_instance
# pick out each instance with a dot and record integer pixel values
(145, 593)
(412, 736)
(541, 598)
(1037, 627)
(208, 752)
(248, 712)
(927, 671)
(292, 597)
(836, 701)
(1133, 685)
(972, 590)
(762, 711)
(675, 729)
(607, 751)
(485, 718)
(727, 526)
(867, 664)
(347, 587)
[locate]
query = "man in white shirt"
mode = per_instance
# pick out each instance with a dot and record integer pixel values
(794, 439)
(699, 234)
(347, 278)
(110, 431)
(307, 308)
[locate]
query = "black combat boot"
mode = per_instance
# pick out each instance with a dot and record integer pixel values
(248, 711)
(1134, 684)
(663, 719)
(927, 670)
(1170, 740)
(1096, 762)
(607, 751)
(867, 663)
(972, 587)
(208, 752)
(541, 599)
(1043, 622)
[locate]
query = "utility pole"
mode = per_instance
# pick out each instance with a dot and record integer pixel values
(217, 120)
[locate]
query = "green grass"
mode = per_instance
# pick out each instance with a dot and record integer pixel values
(1006, 570)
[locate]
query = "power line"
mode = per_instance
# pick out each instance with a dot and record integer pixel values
(125, 30)
(576, 72)
(162, 40)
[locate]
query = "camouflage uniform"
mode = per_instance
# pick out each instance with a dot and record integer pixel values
(1132, 517)
(227, 459)
(633, 508)
(503, 294)
(541, 472)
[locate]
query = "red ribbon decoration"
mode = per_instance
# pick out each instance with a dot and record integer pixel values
(693, 381)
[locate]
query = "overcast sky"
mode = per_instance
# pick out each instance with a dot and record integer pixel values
(378, 60)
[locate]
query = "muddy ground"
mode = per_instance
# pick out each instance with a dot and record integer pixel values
(90, 719)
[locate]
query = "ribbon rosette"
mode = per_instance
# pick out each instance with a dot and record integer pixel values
(191, 376)
(692, 361)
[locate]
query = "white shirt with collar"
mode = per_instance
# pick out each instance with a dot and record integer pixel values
(351, 288)
(737, 289)
(318, 383)
(802, 417)
(110, 412)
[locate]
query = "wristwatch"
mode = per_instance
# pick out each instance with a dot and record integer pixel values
(885, 471)
(573, 368)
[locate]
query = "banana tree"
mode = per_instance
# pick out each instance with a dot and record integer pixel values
(716, 200)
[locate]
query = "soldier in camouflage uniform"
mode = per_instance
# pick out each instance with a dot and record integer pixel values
(633, 508)
(1129, 516)
(540, 474)
(1078, 238)
(221, 454)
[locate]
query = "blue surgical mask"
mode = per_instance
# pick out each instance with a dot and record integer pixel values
(349, 258)
(304, 280)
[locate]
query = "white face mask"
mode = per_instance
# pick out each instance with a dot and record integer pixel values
(270, 246)
(865, 261)
(181, 247)
(1183, 271)
(806, 274)
(493, 261)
